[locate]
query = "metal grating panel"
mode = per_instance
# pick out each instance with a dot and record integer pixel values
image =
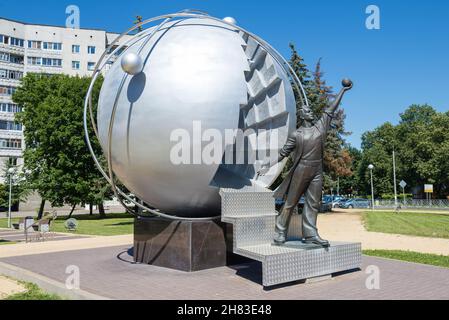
(244, 203)
(251, 211)
(304, 264)
(253, 231)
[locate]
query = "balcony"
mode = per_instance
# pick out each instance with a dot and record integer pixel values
(12, 49)
(16, 153)
(7, 134)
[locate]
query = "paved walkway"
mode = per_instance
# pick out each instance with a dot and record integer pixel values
(8, 235)
(9, 287)
(37, 248)
(346, 225)
(109, 272)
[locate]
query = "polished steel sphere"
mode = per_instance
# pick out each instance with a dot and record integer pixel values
(230, 20)
(195, 72)
(346, 83)
(132, 63)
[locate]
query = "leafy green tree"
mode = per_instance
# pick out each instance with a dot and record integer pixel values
(424, 147)
(62, 170)
(421, 144)
(377, 146)
(20, 186)
(351, 184)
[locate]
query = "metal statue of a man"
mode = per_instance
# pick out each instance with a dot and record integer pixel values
(306, 175)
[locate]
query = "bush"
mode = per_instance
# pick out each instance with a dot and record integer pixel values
(390, 196)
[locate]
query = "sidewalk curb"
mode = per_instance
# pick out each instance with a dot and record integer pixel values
(49, 285)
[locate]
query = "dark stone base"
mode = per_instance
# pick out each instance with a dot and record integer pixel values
(181, 245)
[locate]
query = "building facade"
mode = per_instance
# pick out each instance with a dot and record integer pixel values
(45, 49)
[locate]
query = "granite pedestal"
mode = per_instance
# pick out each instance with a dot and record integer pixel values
(181, 245)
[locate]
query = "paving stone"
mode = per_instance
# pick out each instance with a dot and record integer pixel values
(110, 272)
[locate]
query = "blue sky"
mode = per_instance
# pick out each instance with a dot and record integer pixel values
(405, 62)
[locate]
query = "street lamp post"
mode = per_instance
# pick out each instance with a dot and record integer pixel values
(394, 181)
(10, 174)
(371, 167)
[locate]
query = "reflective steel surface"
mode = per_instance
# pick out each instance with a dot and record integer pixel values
(195, 71)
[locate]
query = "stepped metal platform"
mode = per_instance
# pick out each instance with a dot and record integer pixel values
(251, 211)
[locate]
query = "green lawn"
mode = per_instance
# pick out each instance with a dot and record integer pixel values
(112, 225)
(4, 242)
(33, 293)
(424, 258)
(408, 223)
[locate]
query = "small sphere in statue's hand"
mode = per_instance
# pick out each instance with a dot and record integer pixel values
(347, 83)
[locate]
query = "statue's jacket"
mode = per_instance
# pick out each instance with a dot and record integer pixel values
(294, 146)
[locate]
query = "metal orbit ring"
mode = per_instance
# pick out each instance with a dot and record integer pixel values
(119, 194)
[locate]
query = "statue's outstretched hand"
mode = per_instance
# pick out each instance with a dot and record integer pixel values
(347, 84)
(264, 168)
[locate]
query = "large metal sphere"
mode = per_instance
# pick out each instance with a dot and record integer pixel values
(194, 71)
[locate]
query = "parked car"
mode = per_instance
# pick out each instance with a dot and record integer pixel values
(340, 203)
(334, 199)
(356, 203)
(326, 206)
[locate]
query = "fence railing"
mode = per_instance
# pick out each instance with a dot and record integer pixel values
(413, 204)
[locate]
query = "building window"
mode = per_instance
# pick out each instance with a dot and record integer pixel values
(11, 144)
(15, 75)
(4, 39)
(17, 42)
(52, 46)
(12, 161)
(91, 66)
(75, 48)
(34, 44)
(16, 59)
(4, 56)
(35, 61)
(10, 74)
(10, 107)
(7, 91)
(91, 50)
(49, 62)
(75, 65)
(10, 125)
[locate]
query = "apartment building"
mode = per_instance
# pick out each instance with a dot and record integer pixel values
(45, 49)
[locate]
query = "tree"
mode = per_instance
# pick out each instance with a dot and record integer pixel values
(421, 142)
(20, 187)
(351, 184)
(62, 170)
(303, 73)
(337, 159)
(377, 147)
(424, 137)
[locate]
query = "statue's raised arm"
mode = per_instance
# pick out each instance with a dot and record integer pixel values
(347, 85)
